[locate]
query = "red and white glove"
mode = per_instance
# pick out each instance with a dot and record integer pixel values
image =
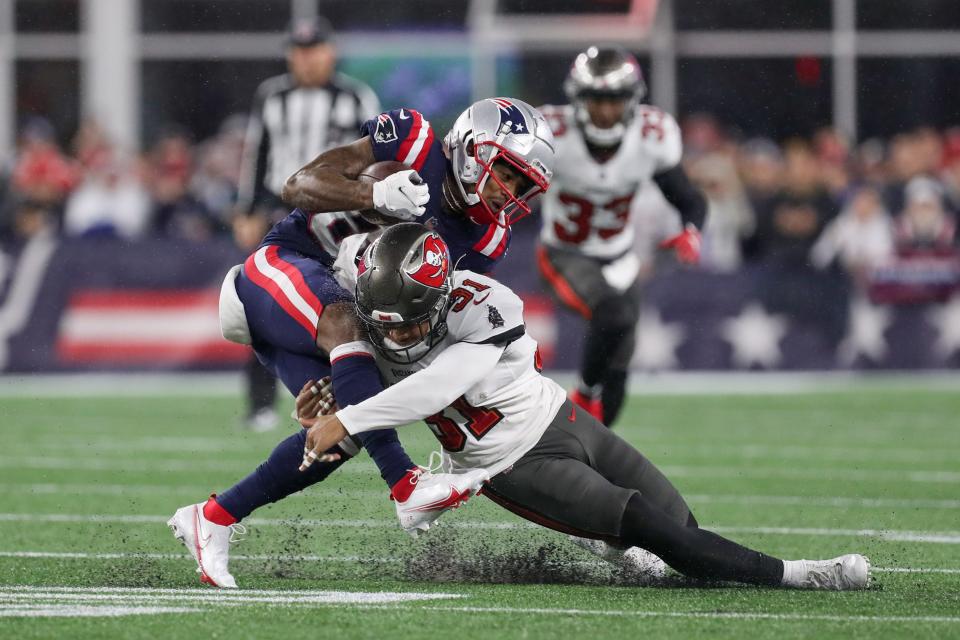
(685, 244)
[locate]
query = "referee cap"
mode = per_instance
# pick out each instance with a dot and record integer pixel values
(307, 32)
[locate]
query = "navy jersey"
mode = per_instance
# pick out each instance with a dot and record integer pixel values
(406, 136)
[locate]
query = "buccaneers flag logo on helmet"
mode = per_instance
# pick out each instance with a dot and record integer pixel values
(434, 264)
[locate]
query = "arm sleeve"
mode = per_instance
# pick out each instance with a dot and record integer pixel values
(680, 192)
(256, 146)
(426, 392)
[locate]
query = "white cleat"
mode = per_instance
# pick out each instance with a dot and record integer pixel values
(846, 573)
(435, 493)
(208, 543)
(636, 563)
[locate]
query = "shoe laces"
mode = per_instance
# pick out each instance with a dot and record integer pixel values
(237, 532)
(434, 464)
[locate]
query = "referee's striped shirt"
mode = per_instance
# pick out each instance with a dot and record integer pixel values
(290, 125)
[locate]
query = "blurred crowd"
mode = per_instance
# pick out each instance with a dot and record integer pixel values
(177, 188)
(805, 205)
(821, 202)
(828, 223)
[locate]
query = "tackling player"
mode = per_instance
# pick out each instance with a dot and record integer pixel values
(454, 348)
(608, 147)
(285, 302)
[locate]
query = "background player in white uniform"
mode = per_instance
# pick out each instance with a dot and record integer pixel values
(455, 350)
(608, 146)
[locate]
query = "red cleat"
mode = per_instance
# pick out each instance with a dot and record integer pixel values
(593, 406)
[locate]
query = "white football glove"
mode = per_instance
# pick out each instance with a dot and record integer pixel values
(401, 195)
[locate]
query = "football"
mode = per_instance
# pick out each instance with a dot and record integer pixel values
(375, 173)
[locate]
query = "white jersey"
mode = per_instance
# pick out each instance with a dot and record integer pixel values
(479, 390)
(587, 207)
(329, 229)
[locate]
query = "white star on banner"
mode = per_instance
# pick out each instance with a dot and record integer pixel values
(868, 322)
(657, 341)
(755, 336)
(946, 319)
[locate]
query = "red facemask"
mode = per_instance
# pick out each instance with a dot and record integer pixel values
(516, 206)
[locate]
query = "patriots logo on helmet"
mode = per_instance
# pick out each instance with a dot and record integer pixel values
(510, 115)
(435, 263)
(386, 130)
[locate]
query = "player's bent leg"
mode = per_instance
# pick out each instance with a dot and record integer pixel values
(622, 465)
(554, 485)
(611, 339)
(566, 495)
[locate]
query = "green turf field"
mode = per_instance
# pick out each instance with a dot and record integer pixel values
(87, 484)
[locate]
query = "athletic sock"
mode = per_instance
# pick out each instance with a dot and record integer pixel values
(216, 514)
(276, 478)
(794, 571)
(356, 378)
(401, 490)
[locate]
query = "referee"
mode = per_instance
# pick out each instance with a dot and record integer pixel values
(300, 114)
(295, 117)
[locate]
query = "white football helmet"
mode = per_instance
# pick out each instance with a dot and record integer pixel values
(506, 130)
(604, 72)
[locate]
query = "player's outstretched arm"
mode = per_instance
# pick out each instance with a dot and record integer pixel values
(458, 368)
(329, 182)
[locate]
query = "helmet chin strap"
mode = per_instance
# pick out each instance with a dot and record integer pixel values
(452, 199)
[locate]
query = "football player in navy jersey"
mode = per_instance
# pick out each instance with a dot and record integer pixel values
(285, 302)
(470, 188)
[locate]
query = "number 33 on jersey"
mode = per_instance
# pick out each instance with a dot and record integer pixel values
(588, 204)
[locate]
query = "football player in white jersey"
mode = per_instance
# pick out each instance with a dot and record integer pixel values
(608, 146)
(453, 348)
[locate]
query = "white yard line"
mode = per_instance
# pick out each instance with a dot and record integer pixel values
(715, 615)
(942, 537)
(35, 601)
(76, 555)
(172, 448)
(71, 555)
(321, 491)
(866, 452)
(138, 463)
(54, 610)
